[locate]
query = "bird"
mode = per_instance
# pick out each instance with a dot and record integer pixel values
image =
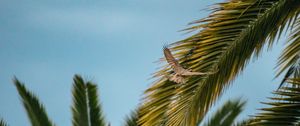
(179, 71)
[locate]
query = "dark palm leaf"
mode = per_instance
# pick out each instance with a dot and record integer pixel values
(35, 110)
(3, 123)
(86, 108)
(290, 58)
(95, 110)
(132, 119)
(80, 103)
(226, 115)
(243, 123)
(284, 110)
(228, 37)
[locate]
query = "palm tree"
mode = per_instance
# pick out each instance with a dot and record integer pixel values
(86, 108)
(235, 31)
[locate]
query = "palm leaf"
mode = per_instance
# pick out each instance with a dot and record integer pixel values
(243, 123)
(95, 110)
(35, 110)
(284, 108)
(290, 58)
(228, 37)
(132, 119)
(226, 115)
(153, 110)
(80, 103)
(86, 108)
(3, 123)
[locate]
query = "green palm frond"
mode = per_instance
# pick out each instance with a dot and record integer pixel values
(284, 110)
(228, 37)
(95, 110)
(226, 115)
(153, 111)
(86, 108)
(3, 123)
(35, 110)
(80, 103)
(290, 58)
(132, 119)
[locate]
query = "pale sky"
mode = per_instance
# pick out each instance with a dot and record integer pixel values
(113, 43)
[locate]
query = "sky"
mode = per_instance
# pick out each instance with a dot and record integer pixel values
(113, 43)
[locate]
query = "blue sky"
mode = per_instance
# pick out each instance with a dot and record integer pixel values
(112, 43)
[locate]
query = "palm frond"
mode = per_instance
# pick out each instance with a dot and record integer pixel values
(95, 111)
(35, 110)
(226, 115)
(132, 119)
(284, 108)
(152, 111)
(86, 108)
(243, 123)
(3, 123)
(227, 39)
(80, 103)
(290, 58)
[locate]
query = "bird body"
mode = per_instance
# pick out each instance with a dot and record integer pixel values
(177, 78)
(179, 71)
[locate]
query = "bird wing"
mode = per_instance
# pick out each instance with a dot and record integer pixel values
(172, 61)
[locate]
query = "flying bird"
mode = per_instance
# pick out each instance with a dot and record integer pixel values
(179, 71)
